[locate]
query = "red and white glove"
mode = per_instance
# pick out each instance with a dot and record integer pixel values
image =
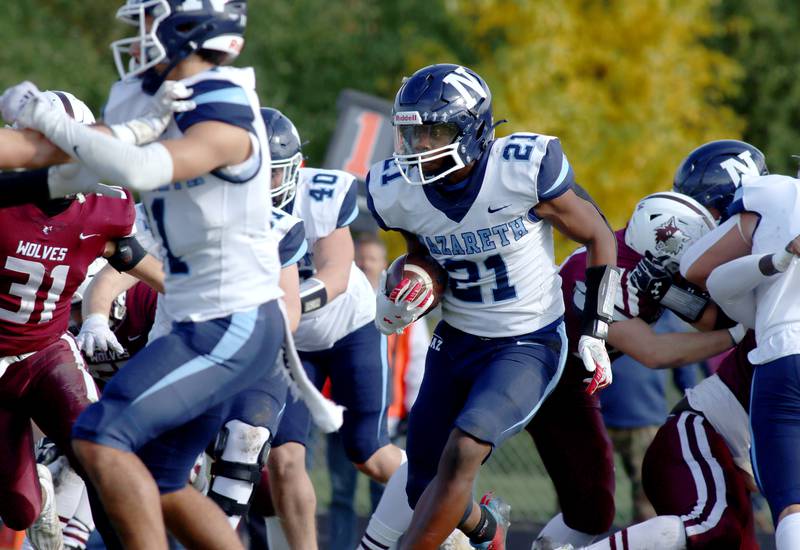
(405, 304)
(595, 359)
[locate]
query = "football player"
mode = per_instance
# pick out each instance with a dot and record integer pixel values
(707, 432)
(204, 185)
(237, 460)
(45, 252)
(336, 338)
(569, 431)
(749, 266)
(697, 471)
(484, 209)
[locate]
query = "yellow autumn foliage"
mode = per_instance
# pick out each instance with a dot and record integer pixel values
(628, 86)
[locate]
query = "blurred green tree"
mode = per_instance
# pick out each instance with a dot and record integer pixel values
(306, 51)
(60, 44)
(760, 35)
(629, 87)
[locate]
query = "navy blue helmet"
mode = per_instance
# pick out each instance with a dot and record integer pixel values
(443, 121)
(712, 172)
(287, 156)
(171, 30)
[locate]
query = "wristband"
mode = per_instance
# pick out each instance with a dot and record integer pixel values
(127, 255)
(602, 285)
(686, 304)
(313, 295)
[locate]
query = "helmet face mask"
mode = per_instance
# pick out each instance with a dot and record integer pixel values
(443, 122)
(135, 55)
(285, 150)
(285, 175)
(171, 30)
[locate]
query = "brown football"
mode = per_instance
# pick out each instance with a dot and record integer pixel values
(417, 268)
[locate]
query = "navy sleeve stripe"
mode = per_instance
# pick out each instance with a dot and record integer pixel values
(371, 207)
(349, 210)
(228, 113)
(293, 245)
(555, 173)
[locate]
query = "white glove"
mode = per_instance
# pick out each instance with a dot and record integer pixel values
(95, 335)
(14, 100)
(170, 98)
(405, 304)
(595, 359)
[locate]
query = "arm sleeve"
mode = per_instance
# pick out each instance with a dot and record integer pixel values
(732, 285)
(420, 339)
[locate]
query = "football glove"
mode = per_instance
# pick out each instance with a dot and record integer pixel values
(650, 277)
(95, 335)
(405, 304)
(595, 359)
(16, 98)
(171, 97)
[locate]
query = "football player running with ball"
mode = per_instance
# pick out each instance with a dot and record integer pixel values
(484, 210)
(205, 187)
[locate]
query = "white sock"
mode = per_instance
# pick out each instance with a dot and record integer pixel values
(276, 538)
(69, 489)
(557, 533)
(393, 514)
(80, 525)
(659, 533)
(787, 535)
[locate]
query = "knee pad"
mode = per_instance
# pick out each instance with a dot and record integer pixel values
(239, 452)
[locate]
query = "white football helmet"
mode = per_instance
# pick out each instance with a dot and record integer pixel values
(665, 224)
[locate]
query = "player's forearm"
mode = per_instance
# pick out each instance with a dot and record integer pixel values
(112, 160)
(335, 277)
(103, 289)
(677, 349)
(151, 272)
(290, 284)
(28, 149)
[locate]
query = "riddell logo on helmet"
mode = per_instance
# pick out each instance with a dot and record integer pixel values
(407, 117)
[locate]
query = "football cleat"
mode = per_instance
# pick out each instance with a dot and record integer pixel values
(45, 533)
(501, 511)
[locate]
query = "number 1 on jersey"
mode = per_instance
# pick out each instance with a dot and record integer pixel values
(176, 265)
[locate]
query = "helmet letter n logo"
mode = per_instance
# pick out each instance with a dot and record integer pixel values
(460, 79)
(737, 169)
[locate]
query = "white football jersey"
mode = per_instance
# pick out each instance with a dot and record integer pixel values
(326, 201)
(499, 256)
(220, 254)
(777, 200)
(292, 248)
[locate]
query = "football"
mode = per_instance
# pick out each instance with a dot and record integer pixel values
(417, 268)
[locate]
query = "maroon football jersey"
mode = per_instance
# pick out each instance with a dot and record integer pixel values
(43, 260)
(736, 371)
(629, 303)
(131, 332)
